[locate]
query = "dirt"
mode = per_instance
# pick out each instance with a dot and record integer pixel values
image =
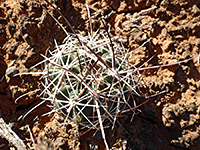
(170, 120)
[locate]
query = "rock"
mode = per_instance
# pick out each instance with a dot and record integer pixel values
(167, 45)
(195, 11)
(11, 71)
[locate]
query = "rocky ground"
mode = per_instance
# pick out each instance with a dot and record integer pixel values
(170, 120)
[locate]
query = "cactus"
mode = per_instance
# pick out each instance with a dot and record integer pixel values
(79, 84)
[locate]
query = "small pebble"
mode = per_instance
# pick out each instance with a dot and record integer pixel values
(11, 71)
